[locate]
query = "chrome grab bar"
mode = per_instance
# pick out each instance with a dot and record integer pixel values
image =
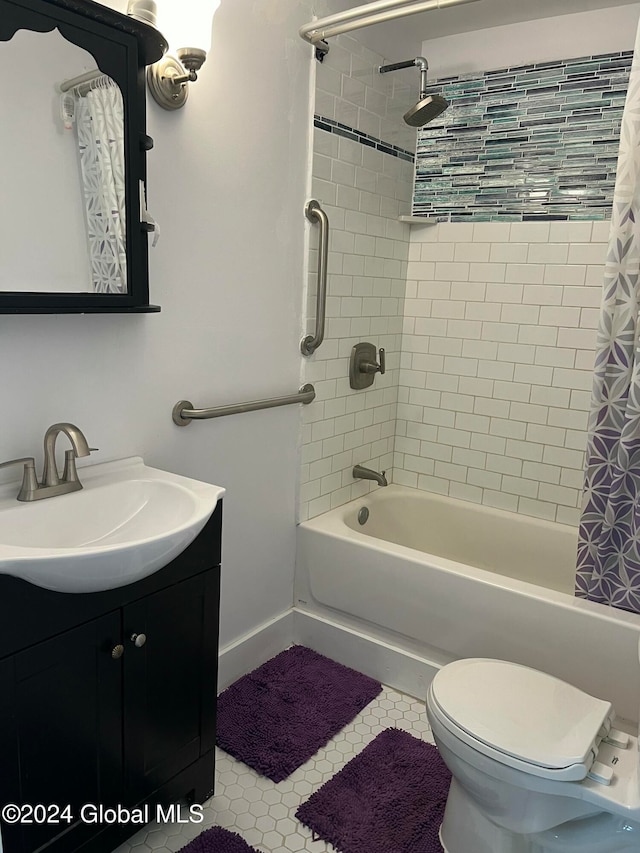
(315, 213)
(183, 411)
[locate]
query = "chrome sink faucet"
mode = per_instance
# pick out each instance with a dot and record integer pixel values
(362, 473)
(52, 483)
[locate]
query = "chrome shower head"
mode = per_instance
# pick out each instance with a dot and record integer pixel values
(430, 105)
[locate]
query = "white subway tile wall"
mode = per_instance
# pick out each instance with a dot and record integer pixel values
(351, 90)
(497, 358)
(363, 190)
(489, 327)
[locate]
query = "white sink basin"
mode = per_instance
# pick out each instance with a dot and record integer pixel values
(126, 523)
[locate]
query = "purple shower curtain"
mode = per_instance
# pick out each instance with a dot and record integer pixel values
(608, 567)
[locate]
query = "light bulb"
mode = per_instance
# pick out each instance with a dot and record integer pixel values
(143, 10)
(187, 23)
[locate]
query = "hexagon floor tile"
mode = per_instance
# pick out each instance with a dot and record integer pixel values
(263, 812)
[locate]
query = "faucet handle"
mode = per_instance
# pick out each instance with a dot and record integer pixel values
(29, 479)
(24, 460)
(70, 472)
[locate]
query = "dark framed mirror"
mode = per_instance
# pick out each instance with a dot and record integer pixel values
(74, 231)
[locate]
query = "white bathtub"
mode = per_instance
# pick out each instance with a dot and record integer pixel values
(447, 579)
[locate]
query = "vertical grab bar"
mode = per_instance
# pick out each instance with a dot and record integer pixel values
(315, 213)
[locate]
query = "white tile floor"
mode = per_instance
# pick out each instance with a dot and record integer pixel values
(264, 812)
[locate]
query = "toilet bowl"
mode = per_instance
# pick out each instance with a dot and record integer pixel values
(538, 765)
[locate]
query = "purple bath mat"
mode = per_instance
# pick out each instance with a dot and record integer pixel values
(218, 840)
(388, 799)
(278, 716)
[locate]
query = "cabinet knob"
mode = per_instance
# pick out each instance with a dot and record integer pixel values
(138, 640)
(117, 651)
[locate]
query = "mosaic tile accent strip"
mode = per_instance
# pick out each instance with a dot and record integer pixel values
(331, 126)
(534, 142)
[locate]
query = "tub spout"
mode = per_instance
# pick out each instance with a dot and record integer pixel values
(362, 473)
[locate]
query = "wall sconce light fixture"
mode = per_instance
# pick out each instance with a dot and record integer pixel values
(187, 26)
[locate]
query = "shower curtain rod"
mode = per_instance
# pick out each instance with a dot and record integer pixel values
(371, 13)
(87, 77)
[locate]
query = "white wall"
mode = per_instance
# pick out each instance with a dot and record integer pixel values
(567, 36)
(363, 191)
(404, 36)
(497, 361)
(38, 153)
(227, 182)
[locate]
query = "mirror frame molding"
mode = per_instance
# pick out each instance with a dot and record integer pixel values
(121, 47)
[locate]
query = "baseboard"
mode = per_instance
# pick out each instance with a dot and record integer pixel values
(256, 647)
(405, 671)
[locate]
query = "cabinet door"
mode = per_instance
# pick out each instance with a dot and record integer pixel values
(9, 762)
(170, 682)
(64, 737)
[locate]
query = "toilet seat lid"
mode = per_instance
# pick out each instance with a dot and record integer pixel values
(521, 714)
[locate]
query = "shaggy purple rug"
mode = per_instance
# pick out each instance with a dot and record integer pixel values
(390, 797)
(278, 716)
(218, 840)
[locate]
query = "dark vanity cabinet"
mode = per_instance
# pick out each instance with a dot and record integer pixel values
(108, 699)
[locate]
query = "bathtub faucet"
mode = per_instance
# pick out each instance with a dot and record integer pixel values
(362, 473)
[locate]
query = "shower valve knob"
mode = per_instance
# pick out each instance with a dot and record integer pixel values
(363, 365)
(372, 366)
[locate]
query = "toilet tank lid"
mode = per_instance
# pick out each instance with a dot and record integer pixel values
(521, 712)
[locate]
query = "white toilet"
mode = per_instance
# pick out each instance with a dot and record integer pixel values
(537, 765)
